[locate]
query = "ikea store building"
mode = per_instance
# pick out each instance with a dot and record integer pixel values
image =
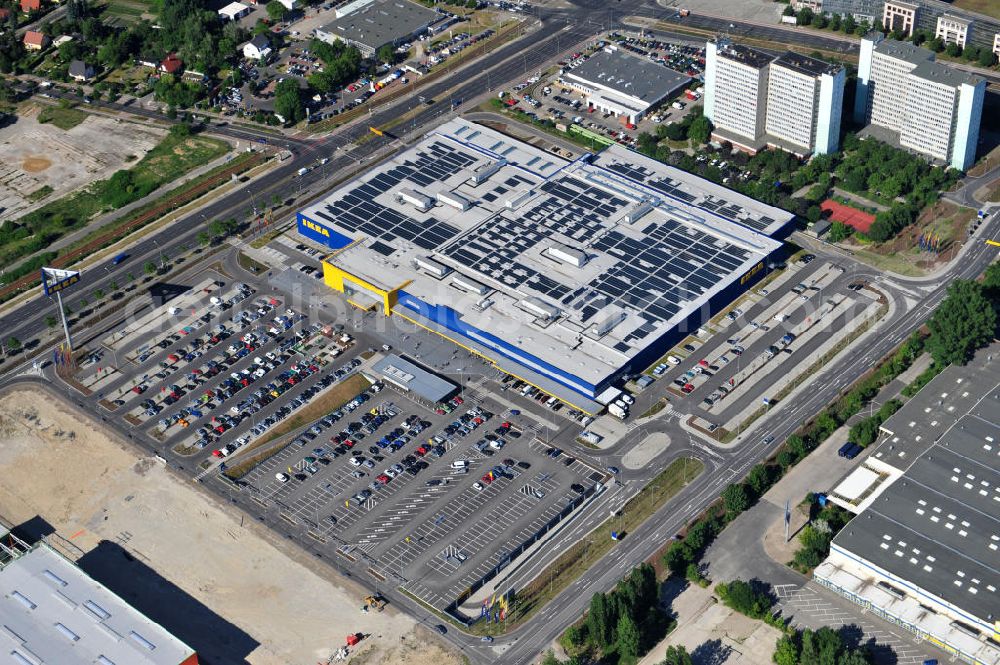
(566, 274)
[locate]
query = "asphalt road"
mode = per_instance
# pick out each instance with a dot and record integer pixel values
(722, 466)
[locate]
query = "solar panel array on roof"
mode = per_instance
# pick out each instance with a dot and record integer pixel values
(721, 207)
(657, 275)
(358, 211)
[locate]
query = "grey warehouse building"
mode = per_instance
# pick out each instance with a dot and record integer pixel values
(410, 377)
(53, 613)
(624, 85)
(924, 548)
(379, 23)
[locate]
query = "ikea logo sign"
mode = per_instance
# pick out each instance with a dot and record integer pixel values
(313, 226)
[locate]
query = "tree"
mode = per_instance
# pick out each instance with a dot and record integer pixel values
(743, 597)
(786, 652)
(550, 659)
(288, 101)
(149, 267)
(676, 655)
(386, 53)
(700, 130)
(629, 639)
(736, 499)
(204, 238)
(50, 321)
(598, 624)
(953, 50)
(13, 344)
(963, 322)
(759, 479)
(986, 57)
(991, 282)
(839, 232)
(98, 294)
(276, 10)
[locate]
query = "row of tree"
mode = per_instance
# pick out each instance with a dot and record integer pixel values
(822, 647)
(624, 623)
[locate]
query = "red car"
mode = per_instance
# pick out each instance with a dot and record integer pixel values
(138, 390)
(348, 442)
(458, 400)
(505, 425)
(173, 357)
(487, 479)
(439, 411)
(420, 452)
(688, 387)
(382, 478)
(703, 363)
(217, 453)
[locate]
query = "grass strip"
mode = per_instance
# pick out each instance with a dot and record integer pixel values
(329, 401)
(578, 559)
(655, 409)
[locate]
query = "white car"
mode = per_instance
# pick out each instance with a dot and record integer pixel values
(281, 477)
(628, 399)
(478, 486)
(673, 360)
(356, 461)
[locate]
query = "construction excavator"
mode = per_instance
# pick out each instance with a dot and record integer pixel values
(376, 602)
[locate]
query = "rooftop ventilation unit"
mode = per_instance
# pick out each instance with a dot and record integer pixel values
(483, 172)
(418, 200)
(453, 200)
(539, 308)
(563, 254)
(429, 265)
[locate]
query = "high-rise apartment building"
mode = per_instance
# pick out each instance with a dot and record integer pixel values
(736, 90)
(883, 65)
(934, 110)
(753, 99)
(804, 100)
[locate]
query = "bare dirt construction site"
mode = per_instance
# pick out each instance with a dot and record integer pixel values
(40, 162)
(180, 555)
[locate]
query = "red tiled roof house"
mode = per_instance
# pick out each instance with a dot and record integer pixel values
(172, 65)
(35, 41)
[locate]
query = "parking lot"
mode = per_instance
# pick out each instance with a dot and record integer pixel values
(224, 366)
(737, 364)
(433, 500)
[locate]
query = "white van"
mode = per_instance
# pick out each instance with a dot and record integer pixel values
(459, 464)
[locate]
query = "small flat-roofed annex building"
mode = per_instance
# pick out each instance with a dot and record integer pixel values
(53, 613)
(411, 377)
(234, 11)
(378, 23)
(566, 274)
(624, 85)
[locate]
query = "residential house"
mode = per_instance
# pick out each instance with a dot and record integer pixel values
(35, 41)
(28, 6)
(258, 48)
(172, 64)
(80, 71)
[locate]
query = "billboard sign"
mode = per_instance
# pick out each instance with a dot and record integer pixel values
(57, 279)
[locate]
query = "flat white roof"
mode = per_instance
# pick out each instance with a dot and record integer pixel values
(53, 613)
(659, 243)
(854, 485)
(233, 9)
